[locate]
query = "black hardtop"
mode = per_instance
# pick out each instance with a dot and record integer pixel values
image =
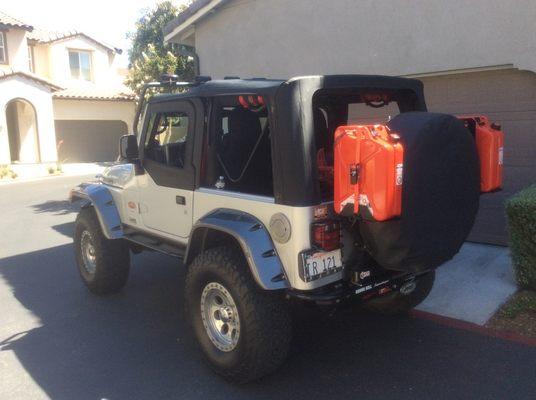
(269, 87)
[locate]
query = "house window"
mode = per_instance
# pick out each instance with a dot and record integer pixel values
(80, 64)
(3, 51)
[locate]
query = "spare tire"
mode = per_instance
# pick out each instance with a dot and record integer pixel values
(440, 195)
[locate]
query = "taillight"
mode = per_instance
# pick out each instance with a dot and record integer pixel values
(326, 235)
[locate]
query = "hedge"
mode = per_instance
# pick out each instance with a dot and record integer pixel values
(521, 213)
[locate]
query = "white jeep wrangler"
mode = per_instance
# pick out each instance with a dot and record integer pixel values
(244, 180)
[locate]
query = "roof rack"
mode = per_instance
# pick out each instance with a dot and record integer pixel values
(169, 82)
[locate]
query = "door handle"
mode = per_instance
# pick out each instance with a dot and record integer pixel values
(180, 200)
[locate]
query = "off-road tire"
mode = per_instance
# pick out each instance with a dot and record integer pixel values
(398, 303)
(112, 257)
(265, 321)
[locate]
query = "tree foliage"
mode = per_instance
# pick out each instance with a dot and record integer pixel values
(149, 57)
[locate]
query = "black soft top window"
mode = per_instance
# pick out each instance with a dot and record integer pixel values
(239, 147)
(335, 107)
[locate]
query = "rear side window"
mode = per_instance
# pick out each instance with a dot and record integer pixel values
(239, 148)
(335, 107)
(166, 139)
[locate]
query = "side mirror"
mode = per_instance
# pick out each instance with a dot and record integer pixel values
(128, 147)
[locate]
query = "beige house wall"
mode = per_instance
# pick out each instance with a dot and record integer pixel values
(42, 60)
(101, 62)
(25, 115)
(284, 38)
(51, 62)
(17, 50)
(39, 96)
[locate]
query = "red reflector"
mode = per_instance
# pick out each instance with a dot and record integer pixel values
(326, 235)
(384, 290)
(260, 100)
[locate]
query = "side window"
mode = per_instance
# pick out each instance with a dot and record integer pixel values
(239, 150)
(166, 138)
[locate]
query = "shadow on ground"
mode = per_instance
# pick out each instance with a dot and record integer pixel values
(135, 345)
(66, 229)
(57, 207)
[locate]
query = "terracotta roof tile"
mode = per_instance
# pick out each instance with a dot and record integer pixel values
(10, 21)
(45, 36)
(6, 73)
(95, 92)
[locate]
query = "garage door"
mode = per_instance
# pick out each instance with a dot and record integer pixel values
(508, 97)
(89, 141)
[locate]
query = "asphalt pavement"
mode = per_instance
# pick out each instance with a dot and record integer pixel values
(58, 341)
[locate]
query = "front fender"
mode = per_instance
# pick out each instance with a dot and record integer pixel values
(256, 244)
(99, 196)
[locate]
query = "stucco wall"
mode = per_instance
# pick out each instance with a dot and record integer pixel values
(59, 70)
(283, 38)
(39, 96)
(17, 50)
(95, 110)
(41, 60)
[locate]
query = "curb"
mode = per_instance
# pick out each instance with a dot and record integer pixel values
(479, 329)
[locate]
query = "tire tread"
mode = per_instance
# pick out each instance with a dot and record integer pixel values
(264, 313)
(113, 256)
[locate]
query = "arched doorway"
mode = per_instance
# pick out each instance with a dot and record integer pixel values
(22, 131)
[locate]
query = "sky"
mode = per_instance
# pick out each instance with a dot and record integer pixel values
(107, 20)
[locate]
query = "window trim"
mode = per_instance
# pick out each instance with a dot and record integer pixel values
(4, 48)
(79, 51)
(31, 57)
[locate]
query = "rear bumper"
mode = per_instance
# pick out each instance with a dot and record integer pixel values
(344, 290)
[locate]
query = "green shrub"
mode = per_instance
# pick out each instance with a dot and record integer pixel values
(521, 213)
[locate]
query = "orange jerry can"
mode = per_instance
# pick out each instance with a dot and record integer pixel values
(368, 167)
(489, 139)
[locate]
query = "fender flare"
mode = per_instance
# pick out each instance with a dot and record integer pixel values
(254, 240)
(100, 198)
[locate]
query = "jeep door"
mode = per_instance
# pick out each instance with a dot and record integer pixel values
(166, 186)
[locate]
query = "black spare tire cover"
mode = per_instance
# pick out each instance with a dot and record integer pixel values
(440, 195)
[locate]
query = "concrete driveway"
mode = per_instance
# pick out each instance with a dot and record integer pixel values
(58, 341)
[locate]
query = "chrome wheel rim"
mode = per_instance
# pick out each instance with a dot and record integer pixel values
(220, 316)
(88, 252)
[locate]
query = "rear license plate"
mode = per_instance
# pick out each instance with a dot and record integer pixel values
(321, 264)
